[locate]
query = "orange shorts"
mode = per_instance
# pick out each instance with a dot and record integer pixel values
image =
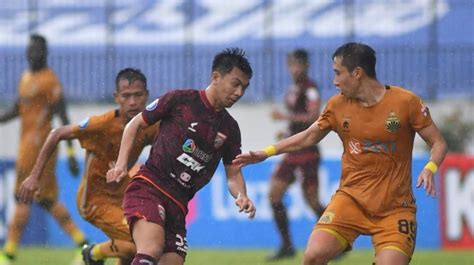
(346, 220)
(109, 218)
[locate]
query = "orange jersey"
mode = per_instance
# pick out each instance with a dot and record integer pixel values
(38, 92)
(101, 137)
(378, 144)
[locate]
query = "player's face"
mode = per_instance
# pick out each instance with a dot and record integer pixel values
(297, 70)
(230, 87)
(345, 81)
(131, 97)
(36, 55)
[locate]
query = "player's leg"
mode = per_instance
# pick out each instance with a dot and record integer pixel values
(395, 244)
(280, 181)
(62, 216)
(322, 246)
(310, 187)
(109, 217)
(149, 239)
(15, 229)
(171, 258)
(338, 227)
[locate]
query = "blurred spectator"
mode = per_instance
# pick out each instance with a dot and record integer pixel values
(456, 131)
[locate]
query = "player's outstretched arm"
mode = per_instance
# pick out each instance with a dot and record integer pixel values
(60, 109)
(9, 114)
(31, 184)
(432, 136)
(120, 169)
(238, 189)
(306, 138)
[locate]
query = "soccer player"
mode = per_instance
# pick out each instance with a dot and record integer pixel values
(40, 97)
(377, 125)
(98, 202)
(302, 104)
(196, 132)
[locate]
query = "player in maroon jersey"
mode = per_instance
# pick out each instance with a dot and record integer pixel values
(196, 132)
(302, 109)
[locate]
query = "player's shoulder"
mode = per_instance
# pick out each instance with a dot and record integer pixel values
(100, 120)
(401, 93)
(183, 92)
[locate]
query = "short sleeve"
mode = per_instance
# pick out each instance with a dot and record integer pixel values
(86, 129)
(234, 146)
(326, 120)
(159, 108)
(419, 113)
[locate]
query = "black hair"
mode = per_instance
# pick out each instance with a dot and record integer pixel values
(130, 74)
(38, 39)
(229, 58)
(357, 55)
(300, 55)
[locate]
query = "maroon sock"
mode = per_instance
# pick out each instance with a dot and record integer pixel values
(143, 259)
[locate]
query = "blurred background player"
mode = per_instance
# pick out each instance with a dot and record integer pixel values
(98, 202)
(196, 132)
(377, 125)
(40, 96)
(302, 103)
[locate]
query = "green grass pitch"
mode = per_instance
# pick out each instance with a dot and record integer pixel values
(64, 256)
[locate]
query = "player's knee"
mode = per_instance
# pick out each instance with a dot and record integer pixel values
(316, 256)
(46, 204)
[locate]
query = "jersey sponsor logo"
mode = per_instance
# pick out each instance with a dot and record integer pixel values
(162, 212)
(392, 124)
(192, 125)
(188, 161)
(219, 140)
(152, 106)
(84, 123)
(357, 147)
(185, 177)
(190, 147)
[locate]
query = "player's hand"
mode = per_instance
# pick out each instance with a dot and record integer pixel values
(116, 174)
(28, 189)
(73, 166)
(278, 115)
(251, 157)
(426, 178)
(245, 205)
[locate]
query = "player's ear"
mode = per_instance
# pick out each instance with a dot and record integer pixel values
(215, 76)
(116, 96)
(358, 71)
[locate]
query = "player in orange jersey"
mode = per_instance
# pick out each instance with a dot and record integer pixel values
(98, 202)
(377, 126)
(40, 97)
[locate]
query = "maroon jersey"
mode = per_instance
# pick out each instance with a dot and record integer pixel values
(299, 97)
(193, 138)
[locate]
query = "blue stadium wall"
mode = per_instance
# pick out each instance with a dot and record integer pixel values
(173, 42)
(214, 221)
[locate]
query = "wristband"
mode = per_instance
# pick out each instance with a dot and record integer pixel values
(270, 150)
(70, 151)
(431, 166)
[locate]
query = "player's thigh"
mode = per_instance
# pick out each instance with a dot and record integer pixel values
(397, 233)
(344, 219)
(281, 179)
(322, 246)
(148, 237)
(171, 258)
(111, 220)
(310, 182)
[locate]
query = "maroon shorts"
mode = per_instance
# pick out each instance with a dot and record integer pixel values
(142, 200)
(288, 171)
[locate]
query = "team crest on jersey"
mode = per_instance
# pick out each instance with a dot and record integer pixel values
(219, 140)
(161, 212)
(326, 218)
(152, 106)
(84, 123)
(392, 124)
(424, 109)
